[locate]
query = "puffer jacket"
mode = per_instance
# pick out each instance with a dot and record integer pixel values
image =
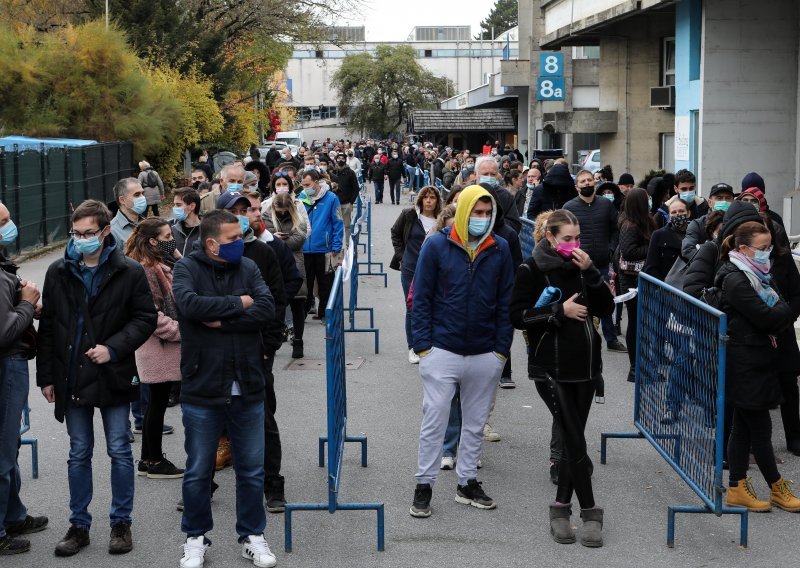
(123, 318)
(751, 374)
(212, 358)
(599, 233)
(327, 228)
(563, 348)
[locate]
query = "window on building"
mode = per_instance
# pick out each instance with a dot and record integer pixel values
(668, 62)
(318, 54)
(586, 52)
(428, 53)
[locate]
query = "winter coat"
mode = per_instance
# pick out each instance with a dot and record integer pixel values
(664, 250)
(376, 171)
(786, 279)
(123, 318)
(347, 190)
(159, 359)
(153, 193)
(751, 377)
(184, 236)
(599, 233)
(461, 305)
(695, 236)
(268, 264)
(395, 169)
(266, 211)
(327, 228)
(295, 240)
(212, 358)
(563, 348)
(16, 316)
(400, 234)
(556, 189)
(505, 199)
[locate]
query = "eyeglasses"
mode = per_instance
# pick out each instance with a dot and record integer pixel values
(86, 235)
(281, 174)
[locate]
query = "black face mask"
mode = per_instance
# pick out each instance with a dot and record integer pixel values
(341, 163)
(679, 222)
(196, 185)
(167, 248)
(587, 191)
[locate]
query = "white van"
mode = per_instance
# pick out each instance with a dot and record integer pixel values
(292, 138)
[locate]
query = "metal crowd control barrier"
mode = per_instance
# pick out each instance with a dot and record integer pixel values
(25, 426)
(337, 421)
(358, 219)
(370, 263)
(680, 393)
(353, 307)
(526, 237)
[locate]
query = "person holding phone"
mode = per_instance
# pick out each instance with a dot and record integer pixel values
(564, 358)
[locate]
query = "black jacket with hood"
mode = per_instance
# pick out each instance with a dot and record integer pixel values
(556, 189)
(598, 221)
(565, 349)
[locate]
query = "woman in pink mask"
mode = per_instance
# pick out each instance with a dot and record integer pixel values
(556, 294)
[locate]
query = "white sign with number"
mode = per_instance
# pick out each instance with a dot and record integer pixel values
(682, 137)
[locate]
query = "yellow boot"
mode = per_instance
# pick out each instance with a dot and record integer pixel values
(782, 496)
(744, 496)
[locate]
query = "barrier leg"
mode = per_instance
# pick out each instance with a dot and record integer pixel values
(380, 529)
(287, 528)
(674, 509)
(604, 436)
(363, 441)
(322, 440)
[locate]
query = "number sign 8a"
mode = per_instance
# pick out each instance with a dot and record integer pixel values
(551, 64)
(550, 89)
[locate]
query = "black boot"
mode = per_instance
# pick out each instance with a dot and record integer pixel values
(273, 493)
(297, 349)
(560, 526)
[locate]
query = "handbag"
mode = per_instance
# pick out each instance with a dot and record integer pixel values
(631, 267)
(676, 276)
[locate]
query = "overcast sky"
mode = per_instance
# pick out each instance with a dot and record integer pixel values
(392, 21)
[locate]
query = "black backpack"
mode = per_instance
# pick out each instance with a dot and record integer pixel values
(151, 178)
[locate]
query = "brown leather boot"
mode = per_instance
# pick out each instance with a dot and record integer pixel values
(224, 455)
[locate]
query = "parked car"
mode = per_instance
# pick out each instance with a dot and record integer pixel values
(265, 148)
(592, 161)
(293, 139)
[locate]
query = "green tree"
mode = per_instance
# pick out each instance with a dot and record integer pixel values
(377, 92)
(502, 17)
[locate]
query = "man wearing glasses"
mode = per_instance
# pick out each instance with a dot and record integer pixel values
(97, 309)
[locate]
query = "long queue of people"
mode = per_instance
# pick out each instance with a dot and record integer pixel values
(140, 305)
(466, 290)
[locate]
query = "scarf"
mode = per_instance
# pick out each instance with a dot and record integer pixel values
(758, 275)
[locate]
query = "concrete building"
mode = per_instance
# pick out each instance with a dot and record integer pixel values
(465, 61)
(709, 85)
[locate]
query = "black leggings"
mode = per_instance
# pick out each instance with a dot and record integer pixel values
(154, 208)
(153, 423)
(569, 403)
(298, 307)
(752, 429)
(272, 437)
(632, 309)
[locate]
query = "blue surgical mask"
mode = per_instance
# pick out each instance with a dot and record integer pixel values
(234, 187)
(244, 222)
(8, 234)
(491, 181)
(762, 256)
(308, 168)
(530, 185)
(139, 205)
(87, 246)
(232, 252)
(722, 205)
(609, 196)
(179, 213)
(323, 168)
(478, 225)
(310, 191)
(688, 196)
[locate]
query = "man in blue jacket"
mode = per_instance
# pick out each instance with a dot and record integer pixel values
(461, 330)
(223, 303)
(325, 242)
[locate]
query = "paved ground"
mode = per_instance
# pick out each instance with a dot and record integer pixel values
(385, 403)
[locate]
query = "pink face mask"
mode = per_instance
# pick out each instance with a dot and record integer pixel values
(565, 249)
(282, 190)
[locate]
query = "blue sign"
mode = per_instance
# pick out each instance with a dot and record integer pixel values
(551, 64)
(550, 89)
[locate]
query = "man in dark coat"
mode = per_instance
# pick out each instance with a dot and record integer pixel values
(97, 311)
(556, 189)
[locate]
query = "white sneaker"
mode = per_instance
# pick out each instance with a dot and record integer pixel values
(413, 357)
(194, 551)
(256, 549)
(489, 433)
(448, 462)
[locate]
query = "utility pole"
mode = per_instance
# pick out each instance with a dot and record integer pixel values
(106, 15)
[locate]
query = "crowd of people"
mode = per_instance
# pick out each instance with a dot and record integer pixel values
(143, 312)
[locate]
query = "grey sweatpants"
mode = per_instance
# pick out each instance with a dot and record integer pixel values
(476, 376)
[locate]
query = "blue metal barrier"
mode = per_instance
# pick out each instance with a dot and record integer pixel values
(353, 307)
(680, 393)
(337, 421)
(526, 237)
(358, 219)
(369, 262)
(25, 426)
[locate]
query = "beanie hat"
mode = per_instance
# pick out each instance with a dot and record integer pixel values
(753, 180)
(739, 212)
(625, 179)
(758, 194)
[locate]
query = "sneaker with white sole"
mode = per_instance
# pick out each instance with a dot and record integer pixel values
(448, 462)
(194, 552)
(413, 358)
(256, 549)
(489, 433)
(472, 494)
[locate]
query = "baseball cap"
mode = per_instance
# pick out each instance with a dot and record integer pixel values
(720, 187)
(230, 198)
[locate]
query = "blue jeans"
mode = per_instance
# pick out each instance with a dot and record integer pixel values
(80, 427)
(139, 408)
(378, 191)
(405, 281)
(607, 324)
(203, 426)
(453, 432)
(13, 396)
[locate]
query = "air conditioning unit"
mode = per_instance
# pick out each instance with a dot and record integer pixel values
(662, 97)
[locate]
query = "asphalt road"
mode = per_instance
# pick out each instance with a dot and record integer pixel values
(385, 398)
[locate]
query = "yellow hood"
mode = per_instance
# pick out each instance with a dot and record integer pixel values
(466, 203)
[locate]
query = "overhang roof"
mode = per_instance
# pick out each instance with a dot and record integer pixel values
(464, 120)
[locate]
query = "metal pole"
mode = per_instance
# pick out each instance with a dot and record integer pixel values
(106, 15)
